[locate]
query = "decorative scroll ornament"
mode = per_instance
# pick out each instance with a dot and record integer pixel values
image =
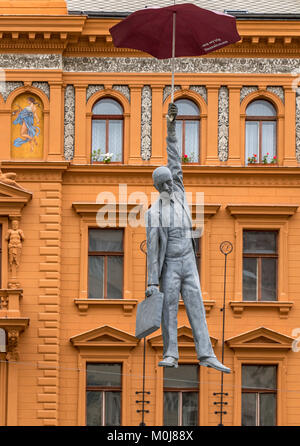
(247, 90)
(69, 132)
(279, 91)
(146, 122)
(124, 89)
(12, 345)
(167, 91)
(201, 90)
(223, 124)
(8, 87)
(92, 89)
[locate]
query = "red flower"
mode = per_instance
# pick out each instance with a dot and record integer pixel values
(255, 156)
(268, 153)
(275, 157)
(185, 156)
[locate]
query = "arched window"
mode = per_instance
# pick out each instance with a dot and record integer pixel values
(188, 130)
(261, 132)
(107, 131)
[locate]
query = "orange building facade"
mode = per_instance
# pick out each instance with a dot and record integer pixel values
(59, 70)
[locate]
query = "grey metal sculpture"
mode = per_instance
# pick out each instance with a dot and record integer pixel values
(171, 258)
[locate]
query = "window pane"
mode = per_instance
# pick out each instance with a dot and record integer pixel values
(260, 242)
(99, 137)
(94, 407)
(192, 140)
(116, 139)
(189, 409)
(115, 277)
(179, 125)
(187, 107)
(103, 375)
(96, 277)
(248, 409)
(268, 279)
(269, 139)
(249, 278)
(260, 108)
(183, 376)
(252, 138)
(259, 376)
(171, 408)
(112, 408)
(105, 240)
(107, 106)
(267, 413)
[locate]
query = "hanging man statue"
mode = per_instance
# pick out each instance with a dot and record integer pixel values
(171, 258)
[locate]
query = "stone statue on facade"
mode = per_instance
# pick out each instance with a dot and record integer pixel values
(171, 259)
(15, 237)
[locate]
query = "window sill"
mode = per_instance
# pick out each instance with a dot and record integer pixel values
(238, 307)
(208, 305)
(262, 165)
(127, 305)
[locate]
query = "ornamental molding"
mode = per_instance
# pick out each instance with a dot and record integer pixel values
(260, 338)
(185, 339)
(69, 122)
(265, 210)
(43, 86)
(93, 88)
(146, 123)
(223, 123)
(298, 128)
(201, 90)
(247, 90)
(168, 89)
(31, 61)
(105, 336)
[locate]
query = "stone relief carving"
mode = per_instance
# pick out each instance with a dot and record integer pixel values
(92, 89)
(9, 178)
(247, 90)
(7, 87)
(279, 91)
(201, 90)
(298, 128)
(44, 86)
(167, 91)
(124, 89)
(69, 131)
(223, 123)
(146, 122)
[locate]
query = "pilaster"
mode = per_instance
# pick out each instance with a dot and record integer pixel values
(80, 152)
(212, 125)
(234, 126)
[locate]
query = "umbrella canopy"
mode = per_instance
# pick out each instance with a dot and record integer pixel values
(198, 31)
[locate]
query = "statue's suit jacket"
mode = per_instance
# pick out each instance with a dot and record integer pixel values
(157, 221)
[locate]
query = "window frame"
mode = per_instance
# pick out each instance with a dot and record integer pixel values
(104, 389)
(259, 391)
(107, 118)
(180, 391)
(107, 254)
(260, 120)
(185, 118)
(259, 257)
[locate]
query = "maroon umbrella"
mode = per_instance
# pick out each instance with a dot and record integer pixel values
(196, 31)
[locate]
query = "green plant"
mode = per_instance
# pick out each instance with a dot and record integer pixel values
(96, 155)
(252, 159)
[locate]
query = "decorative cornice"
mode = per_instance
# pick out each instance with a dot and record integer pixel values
(185, 339)
(127, 305)
(284, 308)
(104, 336)
(260, 338)
(274, 210)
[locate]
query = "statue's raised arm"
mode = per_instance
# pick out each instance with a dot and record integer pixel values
(174, 159)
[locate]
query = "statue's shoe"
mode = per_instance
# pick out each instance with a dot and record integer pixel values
(215, 364)
(169, 361)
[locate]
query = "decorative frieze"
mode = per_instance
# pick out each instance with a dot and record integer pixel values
(69, 131)
(298, 128)
(44, 86)
(182, 65)
(146, 122)
(223, 123)
(31, 61)
(201, 90)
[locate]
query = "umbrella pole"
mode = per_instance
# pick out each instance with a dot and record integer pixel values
(173, 56)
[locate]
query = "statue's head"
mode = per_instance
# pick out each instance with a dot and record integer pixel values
(162, 180)
(15, 224)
